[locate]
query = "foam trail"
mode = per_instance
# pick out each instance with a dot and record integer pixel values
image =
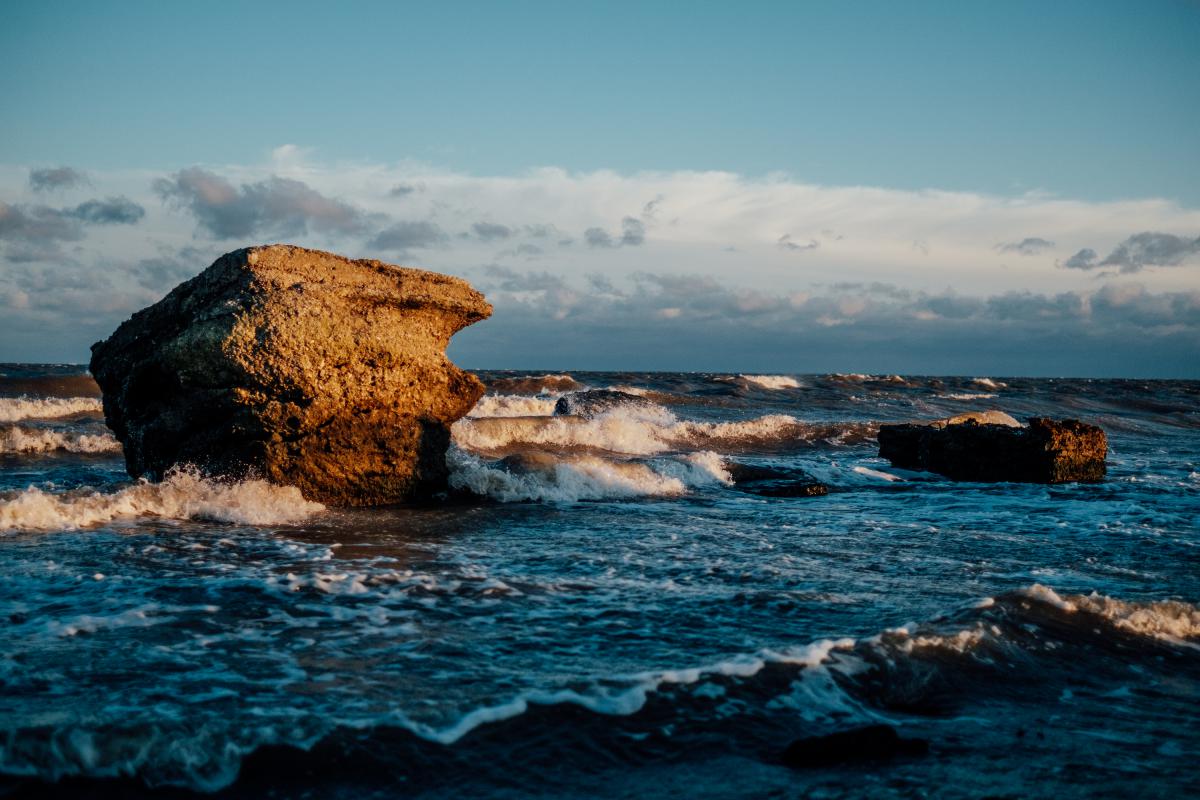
(15, 409)
(969, 396)
(585, 477)
(511, 405)
(182, 495)
(988, 383)
(22, 440)
(774, 382)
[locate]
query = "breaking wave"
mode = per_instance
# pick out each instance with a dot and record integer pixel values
(645, 431)
(584, 477)
(771, 381)
(510, 405)
(23, 440)
(945, 665)
(1170, 620)
(184, 494)
(15, 409)
(988, 383)
(535, 384)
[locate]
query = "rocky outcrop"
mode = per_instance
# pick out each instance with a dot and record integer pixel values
(300, 366)
(1045, 451)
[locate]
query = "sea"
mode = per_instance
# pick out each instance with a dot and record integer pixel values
(598, 610)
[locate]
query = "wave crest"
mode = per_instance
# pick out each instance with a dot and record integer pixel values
(644, 431)
(15, 409)
(183, 494)
(584, 477)
(22, 440)
(513, 405)
(774, 382)
(535, 384)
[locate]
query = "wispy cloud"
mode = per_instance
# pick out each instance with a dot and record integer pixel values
(274, 206)
(49, 179)
(1029, 246)
(403, 236)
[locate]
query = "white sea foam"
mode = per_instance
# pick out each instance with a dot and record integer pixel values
(15, 409)
(183, 495)
(628, 430)
(586, 477)
(988, 383)
(1171, 620)
(513, 405)
(969, 396)
(771, 381)
(26, 440)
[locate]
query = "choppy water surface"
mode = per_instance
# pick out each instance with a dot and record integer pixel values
(617, 620)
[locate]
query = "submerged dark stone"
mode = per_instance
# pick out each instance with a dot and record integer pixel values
(1045, 451)
(869, 743)
(598, 401)
(767, 481)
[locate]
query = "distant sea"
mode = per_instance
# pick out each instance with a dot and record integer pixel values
(616, 620)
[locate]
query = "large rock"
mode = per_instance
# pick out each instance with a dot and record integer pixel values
(1045, 451)
(299, 366)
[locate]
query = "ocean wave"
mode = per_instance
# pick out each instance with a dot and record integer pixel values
(510, 405)
(22, 440)
(572, 479)
(968, 396)
(50, 385)
(535, 384)
(182, 495)
(982, 651)
(645, 431)
(774, 382)
(1169, 620)
(989, 383)
(15, 409)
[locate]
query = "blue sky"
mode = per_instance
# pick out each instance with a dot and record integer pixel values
(912, 145)
(1096, 100)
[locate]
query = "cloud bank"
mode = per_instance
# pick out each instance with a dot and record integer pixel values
(674, 270)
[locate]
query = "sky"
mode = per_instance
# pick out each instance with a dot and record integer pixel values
(939, 188)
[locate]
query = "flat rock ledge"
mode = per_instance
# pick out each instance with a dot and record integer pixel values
(297, 366)
(1044, 451)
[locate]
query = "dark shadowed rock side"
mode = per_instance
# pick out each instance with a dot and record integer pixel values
(869, 743)
(300, 367)
(1044, 451)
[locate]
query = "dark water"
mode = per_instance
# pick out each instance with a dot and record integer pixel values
(616, 621)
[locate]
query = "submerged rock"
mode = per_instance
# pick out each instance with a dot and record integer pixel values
(774, 481)
(868, 743)
(594, 402)
(1045, 451)
(299, 366)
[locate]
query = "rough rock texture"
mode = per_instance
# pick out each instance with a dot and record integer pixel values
(1046, 451)
(300, 366)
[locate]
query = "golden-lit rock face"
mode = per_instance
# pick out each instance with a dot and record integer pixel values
(986, 447)
(297, 365)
